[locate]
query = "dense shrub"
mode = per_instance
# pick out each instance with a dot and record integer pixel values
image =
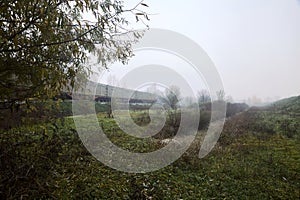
(48, 161)
(234, 108)
(257, 157)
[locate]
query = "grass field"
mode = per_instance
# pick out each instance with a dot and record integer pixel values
(252, 160)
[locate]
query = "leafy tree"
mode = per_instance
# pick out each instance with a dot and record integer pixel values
(44, 44)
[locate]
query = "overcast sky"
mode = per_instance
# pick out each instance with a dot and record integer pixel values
(255, 44)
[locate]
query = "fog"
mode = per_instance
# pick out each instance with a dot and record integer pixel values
(254, 44)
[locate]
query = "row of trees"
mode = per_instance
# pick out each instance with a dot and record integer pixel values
(172, 97)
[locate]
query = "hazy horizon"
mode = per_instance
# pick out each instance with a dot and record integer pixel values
(255, 45)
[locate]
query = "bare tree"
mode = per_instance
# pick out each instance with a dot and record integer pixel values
(172, 97)
(203, 97)
(220, 95)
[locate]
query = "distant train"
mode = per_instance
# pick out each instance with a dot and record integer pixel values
(104, 93)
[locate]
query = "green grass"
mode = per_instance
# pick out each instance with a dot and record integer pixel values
(289, 106)
(49, 161)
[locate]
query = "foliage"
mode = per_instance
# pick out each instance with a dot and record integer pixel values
(43, 111)
(279, 118)
(49, 161)
(234, 108)
(44, 44)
